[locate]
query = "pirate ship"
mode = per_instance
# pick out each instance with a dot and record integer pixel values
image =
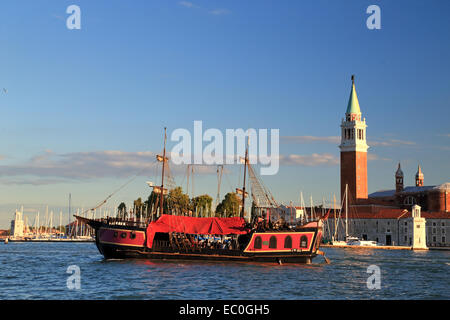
(267, 237)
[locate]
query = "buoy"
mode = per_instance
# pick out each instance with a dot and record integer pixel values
(6, 240)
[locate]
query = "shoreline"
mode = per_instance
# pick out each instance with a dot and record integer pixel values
(384, 247)
(48, 240)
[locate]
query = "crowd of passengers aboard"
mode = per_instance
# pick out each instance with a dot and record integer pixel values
(192, 242)
(197, 242)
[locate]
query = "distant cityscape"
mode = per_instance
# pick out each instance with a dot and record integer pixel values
(386, 217)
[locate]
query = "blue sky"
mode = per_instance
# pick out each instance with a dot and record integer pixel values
(74, 96)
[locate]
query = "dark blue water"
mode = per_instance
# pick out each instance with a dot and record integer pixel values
(39, 271)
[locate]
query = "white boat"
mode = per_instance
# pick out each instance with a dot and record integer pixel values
(354, 241)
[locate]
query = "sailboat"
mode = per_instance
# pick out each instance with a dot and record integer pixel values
(168, 236)
(348, 240)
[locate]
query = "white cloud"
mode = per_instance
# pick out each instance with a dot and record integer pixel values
(81, 165)
(33, 182)
(312, 160)
(390, 143)
(187, 4)
(444, 135)
(336, 140)
(309, 139)
(50, 168)
(374, 157)
(218, 12)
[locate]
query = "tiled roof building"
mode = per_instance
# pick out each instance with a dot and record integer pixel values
(386, 207)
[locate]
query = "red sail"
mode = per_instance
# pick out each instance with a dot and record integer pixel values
(191, 225)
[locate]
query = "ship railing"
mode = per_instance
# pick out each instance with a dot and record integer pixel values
(124, 222)
(179, 243)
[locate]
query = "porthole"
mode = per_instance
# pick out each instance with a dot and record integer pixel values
(123, 235)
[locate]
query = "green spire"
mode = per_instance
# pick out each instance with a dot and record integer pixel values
(353, 104)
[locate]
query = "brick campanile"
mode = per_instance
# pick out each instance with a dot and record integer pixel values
(353, 150)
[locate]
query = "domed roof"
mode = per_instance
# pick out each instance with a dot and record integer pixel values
(443, 187)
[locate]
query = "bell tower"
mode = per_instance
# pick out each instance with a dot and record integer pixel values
(419, 177)
(398, 180)
(353, 150)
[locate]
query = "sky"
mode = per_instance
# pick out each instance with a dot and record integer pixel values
(83, 111)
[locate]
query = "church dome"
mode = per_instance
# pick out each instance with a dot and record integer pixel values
(443, 187)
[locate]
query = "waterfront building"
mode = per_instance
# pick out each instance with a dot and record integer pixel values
(17, 225)
(390, 226)
(386, 216)
(418, 232)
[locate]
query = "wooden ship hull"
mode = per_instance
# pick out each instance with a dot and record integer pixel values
(128, 240)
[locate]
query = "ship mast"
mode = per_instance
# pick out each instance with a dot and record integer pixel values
(161, 210)
(243, 188)
(219, 181)
(346, 212)
(70, 199)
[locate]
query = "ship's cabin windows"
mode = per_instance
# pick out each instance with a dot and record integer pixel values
(303, 242)
(258, 243)
(123, 235)
(288, 242)
(273, 242)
